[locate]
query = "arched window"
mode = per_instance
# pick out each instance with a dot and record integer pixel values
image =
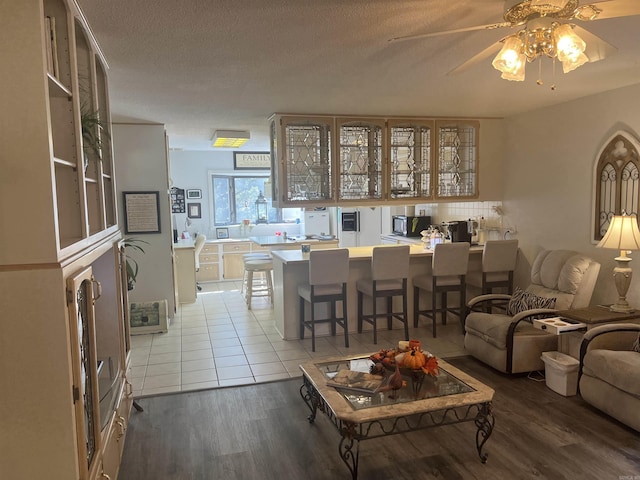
(617, 181)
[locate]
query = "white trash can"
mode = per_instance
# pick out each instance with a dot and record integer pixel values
(561, 373)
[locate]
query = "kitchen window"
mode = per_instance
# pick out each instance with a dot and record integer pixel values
(234, 200)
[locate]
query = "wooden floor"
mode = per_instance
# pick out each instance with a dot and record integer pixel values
(261, 432)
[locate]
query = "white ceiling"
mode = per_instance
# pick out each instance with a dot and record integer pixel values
(201, 65)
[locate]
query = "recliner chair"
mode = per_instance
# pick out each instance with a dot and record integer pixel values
(508, 341)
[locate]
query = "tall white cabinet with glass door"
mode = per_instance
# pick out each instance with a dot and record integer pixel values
(64, 339)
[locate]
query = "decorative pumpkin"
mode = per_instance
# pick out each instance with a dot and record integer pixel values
(414, 359)
(414, 344)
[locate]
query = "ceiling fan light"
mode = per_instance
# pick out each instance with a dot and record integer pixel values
(570, 48)
(510, 60)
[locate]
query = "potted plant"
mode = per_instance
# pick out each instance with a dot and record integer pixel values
(94, 132)
(132, 265)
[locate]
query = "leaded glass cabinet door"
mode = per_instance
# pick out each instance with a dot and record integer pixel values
(80, 290)
(360, 159)
(457, 159)
(306, 160)
(410, 145)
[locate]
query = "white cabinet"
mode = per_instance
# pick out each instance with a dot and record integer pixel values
(62, 272)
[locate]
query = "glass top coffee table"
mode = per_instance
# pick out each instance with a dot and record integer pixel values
(451, 397)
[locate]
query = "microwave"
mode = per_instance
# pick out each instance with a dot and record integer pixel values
(409, 226)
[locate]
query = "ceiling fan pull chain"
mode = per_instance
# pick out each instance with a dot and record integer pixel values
(553, 75)
(539, 81)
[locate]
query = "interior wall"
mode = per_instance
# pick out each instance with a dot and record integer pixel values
(141, 165)
(549, 179)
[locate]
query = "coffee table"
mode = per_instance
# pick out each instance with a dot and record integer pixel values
(453, 397)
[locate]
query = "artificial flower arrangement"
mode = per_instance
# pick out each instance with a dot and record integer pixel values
(408, 355)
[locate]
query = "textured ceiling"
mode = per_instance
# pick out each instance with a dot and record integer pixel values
(201, 65)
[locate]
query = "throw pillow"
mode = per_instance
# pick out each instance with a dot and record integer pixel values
(636, 344)
(521, 301)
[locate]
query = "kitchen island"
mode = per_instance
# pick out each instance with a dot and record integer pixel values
(291, 268)
(279, 242)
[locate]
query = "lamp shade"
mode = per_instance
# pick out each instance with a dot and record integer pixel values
(510, 60)
(623, 234)
(570, 48)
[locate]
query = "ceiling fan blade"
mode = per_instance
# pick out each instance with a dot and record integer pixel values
(477, 58)
(617, 8)
(597, 48)
(492, 26)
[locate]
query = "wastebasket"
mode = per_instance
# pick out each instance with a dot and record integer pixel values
(561, 373)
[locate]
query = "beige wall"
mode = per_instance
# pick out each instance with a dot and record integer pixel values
(548, 191)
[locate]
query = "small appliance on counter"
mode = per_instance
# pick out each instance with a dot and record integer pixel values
(458, 231)
(409, 226)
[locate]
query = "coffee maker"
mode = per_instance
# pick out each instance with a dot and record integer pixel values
(459, 232)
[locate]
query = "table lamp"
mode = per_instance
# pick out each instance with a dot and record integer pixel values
(623, 235)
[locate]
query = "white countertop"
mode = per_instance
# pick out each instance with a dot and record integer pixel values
(272, 240)
(360, 253)
(184, 243)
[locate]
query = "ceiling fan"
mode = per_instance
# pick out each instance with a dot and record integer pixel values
(547, 30)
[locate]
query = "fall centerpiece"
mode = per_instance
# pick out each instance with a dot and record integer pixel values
(408, 359)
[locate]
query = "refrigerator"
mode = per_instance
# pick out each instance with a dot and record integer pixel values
(316, 222)
(362, 226)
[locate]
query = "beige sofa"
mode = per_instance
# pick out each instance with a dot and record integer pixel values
(610, 371)
(510, 343)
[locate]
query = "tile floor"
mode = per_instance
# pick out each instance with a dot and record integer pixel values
(218, 342)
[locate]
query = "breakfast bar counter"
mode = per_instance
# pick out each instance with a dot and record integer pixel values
(291, 268)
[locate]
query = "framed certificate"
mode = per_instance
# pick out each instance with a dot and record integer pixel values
(141, 212)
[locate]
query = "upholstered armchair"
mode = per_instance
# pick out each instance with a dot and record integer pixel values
(609, 377)
(508, 341)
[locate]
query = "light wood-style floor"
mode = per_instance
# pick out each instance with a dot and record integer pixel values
(261, 432)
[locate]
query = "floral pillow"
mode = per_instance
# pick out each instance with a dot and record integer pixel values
(521, 301)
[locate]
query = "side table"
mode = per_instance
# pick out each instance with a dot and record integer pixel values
(569, 342)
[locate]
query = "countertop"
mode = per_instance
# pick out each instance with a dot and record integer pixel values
(360, 253)
(273, 240)
(184, 243)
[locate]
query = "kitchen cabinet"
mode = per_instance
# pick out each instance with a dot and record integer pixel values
(62, 263)
(232, 263)
(209, 260)
(303, 160)
(410, 159)
(336, 160)
(359, 154)
(456, 159)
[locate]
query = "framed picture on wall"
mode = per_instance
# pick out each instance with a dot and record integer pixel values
(222, 232)
(251, 161)
(194, 193)
(141, 212)
(193, 210)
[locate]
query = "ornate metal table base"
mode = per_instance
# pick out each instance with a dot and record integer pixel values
(352, 434)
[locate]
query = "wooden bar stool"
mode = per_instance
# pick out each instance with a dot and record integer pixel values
(251, 256)
(449, 266)
(389, 272)
(256, 288)
(328, 275)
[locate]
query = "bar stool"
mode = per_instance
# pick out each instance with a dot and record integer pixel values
(255, 288)
(251, 256)
(328, 275)
(498, 263)
(389, 272)
(449, 266)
